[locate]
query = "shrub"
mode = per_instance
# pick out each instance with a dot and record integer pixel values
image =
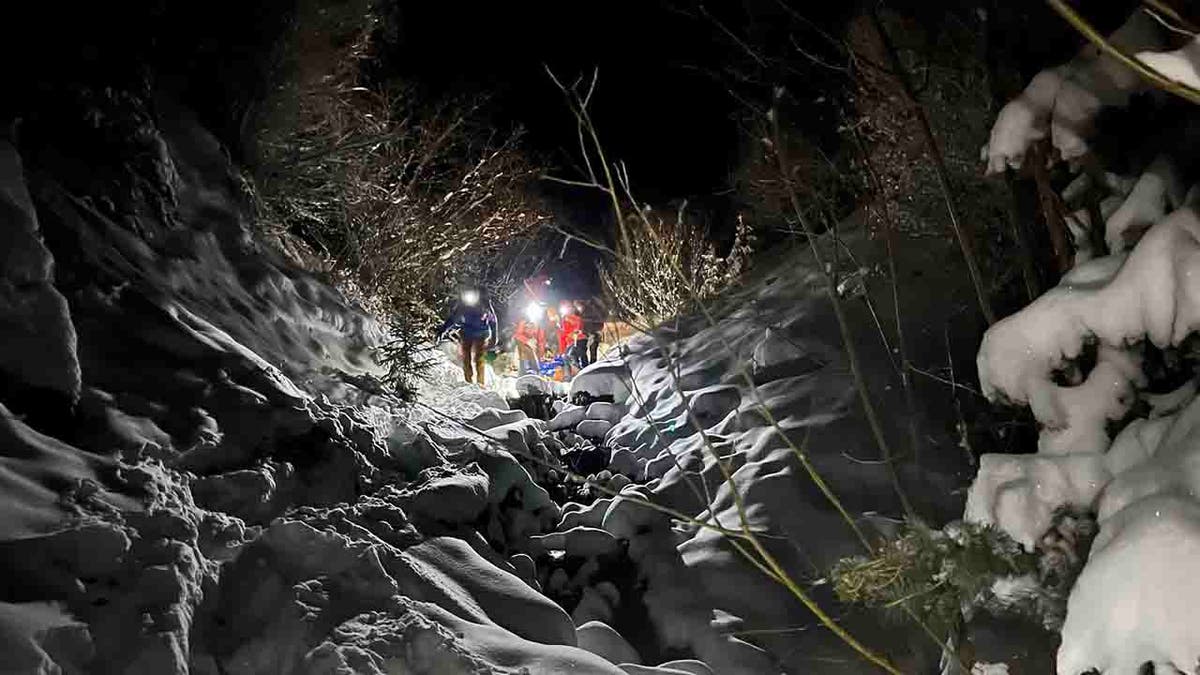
(945, 574)
(400, 201)
(642, 282)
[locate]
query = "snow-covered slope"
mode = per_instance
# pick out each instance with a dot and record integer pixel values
(193, 483)
(190, 484)
(198, 478)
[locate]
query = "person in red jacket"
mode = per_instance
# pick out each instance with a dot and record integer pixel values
(570, 329)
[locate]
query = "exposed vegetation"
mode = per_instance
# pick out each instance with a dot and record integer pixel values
(936, 573)
(640, 281)
(402, 201)
(948, 574)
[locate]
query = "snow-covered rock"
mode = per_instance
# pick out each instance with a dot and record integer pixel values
(600, 639)
(580, 541)
(568, 417)
(421, 638)
(449, 573)
(607, 378)
(602, 410)
(691, 666)
(532, 384)
(492, 418)
(593, 428)
(447, 496)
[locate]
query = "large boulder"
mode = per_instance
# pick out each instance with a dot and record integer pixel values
(445, 568)
(600, 639)
(593, 428)
(568, 417)
(492, 418)
(604, 379)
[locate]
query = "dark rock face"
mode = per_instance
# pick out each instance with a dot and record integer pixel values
(34, 319)
(154, 351)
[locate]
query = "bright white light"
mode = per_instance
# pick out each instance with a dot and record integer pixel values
(534, 312)
(470, 297)
(565, 308)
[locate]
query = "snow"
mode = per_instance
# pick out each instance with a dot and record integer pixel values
(225, 498)
(1158, 191)
(1181, 65)
(31, 471)
(600, 639)
(42, 638)
(1133, 601)
(604, 378)
(236, 497)
(1063, 102)
(1150, 296)
(1125, 608)
(36, 331)
(1019, 493)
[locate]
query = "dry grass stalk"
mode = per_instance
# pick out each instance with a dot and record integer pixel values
(401, 201)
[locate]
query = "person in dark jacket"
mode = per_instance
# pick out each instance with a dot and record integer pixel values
(476, 327)
(593, 323)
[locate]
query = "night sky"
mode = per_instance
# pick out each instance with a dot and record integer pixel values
(659, 105)
(662, 104)
(656, 107)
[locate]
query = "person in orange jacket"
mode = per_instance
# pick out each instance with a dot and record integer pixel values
(530, 341)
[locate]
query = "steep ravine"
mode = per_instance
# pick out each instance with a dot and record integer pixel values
(190, 484)
(193, 483)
